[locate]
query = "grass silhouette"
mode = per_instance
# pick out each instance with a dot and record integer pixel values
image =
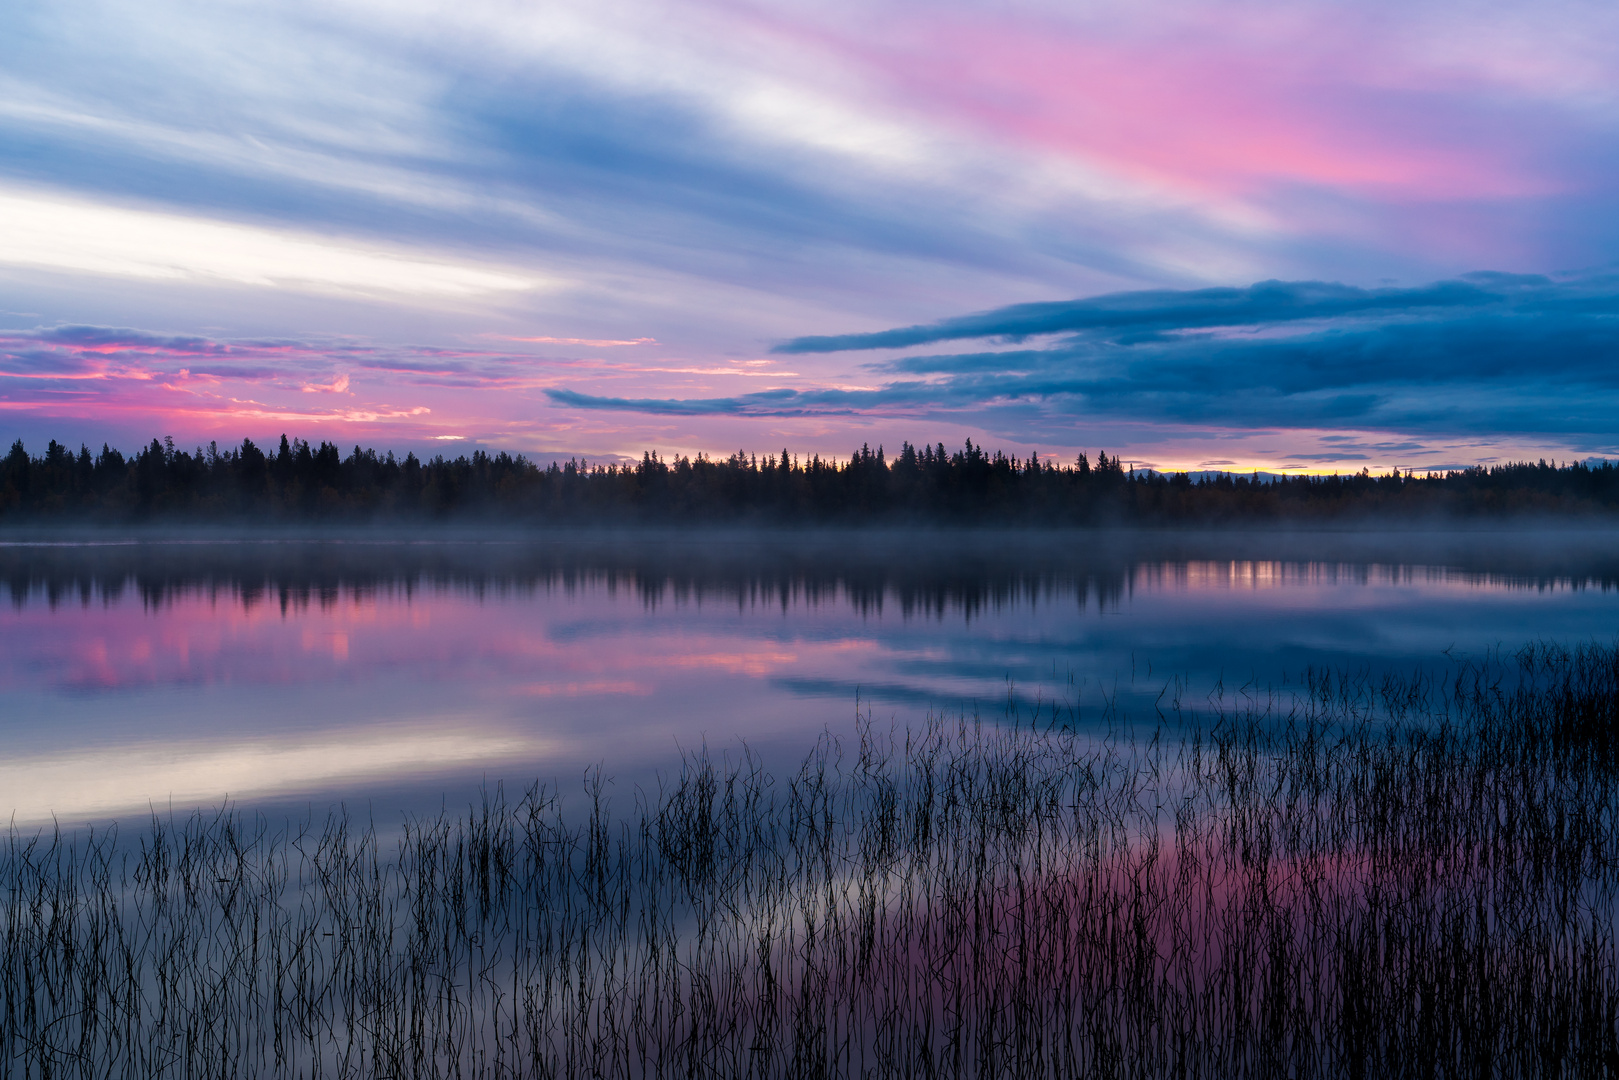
(1352, 877)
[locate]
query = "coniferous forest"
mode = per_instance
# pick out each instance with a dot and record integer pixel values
(299, 482)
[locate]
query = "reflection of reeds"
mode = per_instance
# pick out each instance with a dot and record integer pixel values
(1409, 877)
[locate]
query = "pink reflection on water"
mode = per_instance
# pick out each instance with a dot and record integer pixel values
(209, 693)
(200, 666)
(580, 642)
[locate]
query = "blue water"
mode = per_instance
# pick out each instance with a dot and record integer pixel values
(139, 675)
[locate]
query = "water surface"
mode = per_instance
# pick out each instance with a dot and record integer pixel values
(399, 674)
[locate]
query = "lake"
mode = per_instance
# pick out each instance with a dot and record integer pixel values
(810, 805)
(403, 675)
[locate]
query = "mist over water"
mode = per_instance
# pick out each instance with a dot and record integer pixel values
(401, 674)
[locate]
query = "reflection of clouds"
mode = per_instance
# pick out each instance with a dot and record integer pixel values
(742, 662)
(245, 679)
(197, 636)
(329, 642)
(108, 780)
(586, 689)
(569, 645)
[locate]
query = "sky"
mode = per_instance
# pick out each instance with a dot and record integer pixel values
(1307, 236)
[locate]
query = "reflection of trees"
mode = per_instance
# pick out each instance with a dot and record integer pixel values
(921, 575)
(300, 574)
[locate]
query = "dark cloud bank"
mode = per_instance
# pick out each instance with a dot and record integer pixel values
(1487, 354)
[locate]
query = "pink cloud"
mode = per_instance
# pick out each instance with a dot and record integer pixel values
(339, 385)
(1203, 122)
(597, 343)
(1214, 105)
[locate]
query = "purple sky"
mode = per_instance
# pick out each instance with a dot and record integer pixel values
(1319, 235)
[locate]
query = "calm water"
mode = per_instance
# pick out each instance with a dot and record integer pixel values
(402, 674)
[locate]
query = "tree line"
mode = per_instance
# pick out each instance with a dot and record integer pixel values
(300, 482)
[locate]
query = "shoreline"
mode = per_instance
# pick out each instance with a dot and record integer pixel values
(182, 531)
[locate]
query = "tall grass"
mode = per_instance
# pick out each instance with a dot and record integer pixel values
(1406, 877)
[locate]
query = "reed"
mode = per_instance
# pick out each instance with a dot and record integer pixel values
(1349, 877)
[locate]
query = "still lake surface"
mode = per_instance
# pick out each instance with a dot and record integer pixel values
(402, 675)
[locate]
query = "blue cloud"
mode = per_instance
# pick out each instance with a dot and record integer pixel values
(42, 362)
(1487, 354)
(1159, 311)
(764, 403)
(114, 337)
(503, 164)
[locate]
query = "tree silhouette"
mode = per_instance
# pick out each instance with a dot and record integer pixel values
(300, 482)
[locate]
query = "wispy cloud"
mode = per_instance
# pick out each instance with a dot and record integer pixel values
(1489, 353)
(594, 343)
(1168, 310)
(107, 339)
(637, 180)
(791, 148)
(100, 238)
(187, 381)
(339, 385)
